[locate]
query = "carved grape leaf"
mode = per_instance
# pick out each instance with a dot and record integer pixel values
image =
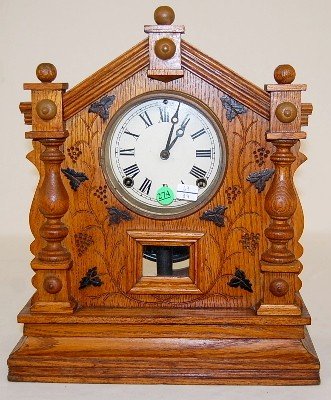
(232, 107)
(116, 215)
(101, 107)
(216, 215)
(90, 279)
(239, 280)
(260, 178)
(75, 178)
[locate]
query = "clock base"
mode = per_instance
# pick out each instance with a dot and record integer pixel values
(98, 346)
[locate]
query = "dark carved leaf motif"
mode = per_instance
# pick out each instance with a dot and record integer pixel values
(75, 178)
(260, 178)
(239, 280)
(90, 279)
(216, 215)
(101, 107)
(116, 215)
(233, 107)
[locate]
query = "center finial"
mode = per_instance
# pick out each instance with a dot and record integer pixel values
(164, 15)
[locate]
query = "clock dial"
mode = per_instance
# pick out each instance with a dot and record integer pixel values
(164, 139)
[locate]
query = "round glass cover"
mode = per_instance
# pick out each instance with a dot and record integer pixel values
(164, 154)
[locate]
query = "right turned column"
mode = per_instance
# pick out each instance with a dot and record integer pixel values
(279, 266)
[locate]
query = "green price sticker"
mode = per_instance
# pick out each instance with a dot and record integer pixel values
(165, 195)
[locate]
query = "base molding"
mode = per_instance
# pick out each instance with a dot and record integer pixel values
(165, 360)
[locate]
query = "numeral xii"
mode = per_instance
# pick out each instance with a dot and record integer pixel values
(164, 115)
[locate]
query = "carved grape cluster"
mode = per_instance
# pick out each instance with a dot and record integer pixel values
(260, 155)
(74, 153)
(232, 192)
(83, 241)
(250, 241)
(100, 193)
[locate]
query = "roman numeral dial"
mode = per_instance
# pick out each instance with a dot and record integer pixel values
(163, 139)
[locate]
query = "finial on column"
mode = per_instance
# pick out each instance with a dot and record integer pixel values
(46, 72)
(164, 15)
(284, 74)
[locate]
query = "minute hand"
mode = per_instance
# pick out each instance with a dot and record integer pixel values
(180, 132)
(174, 121)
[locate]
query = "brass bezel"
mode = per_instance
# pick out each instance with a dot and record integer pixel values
(131, 202)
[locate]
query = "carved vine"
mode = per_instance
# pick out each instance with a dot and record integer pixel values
(233, 221)
(239, 190)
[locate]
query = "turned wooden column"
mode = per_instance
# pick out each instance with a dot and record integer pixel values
(54, 203)
(279, 266)
(280, 204)
(53, 262)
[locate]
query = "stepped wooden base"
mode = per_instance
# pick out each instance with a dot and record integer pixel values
(164, 349)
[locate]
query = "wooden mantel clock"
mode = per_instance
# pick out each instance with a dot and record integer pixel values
(166, 224)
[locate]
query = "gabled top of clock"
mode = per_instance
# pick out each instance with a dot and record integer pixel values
(167, 57)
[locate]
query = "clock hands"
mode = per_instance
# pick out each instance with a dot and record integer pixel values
(165, 153)
(180, 131)
(174, 120)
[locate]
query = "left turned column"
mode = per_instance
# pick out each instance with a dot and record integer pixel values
(53, 262)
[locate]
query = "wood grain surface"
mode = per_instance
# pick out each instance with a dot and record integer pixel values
(237, 317)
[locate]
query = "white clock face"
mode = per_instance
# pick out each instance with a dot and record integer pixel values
(158, 142)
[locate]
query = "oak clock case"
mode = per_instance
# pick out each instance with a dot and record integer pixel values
(162, 116)
(163, 139)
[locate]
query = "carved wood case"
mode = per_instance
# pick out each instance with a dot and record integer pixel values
(237, 317)
(95, 242)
